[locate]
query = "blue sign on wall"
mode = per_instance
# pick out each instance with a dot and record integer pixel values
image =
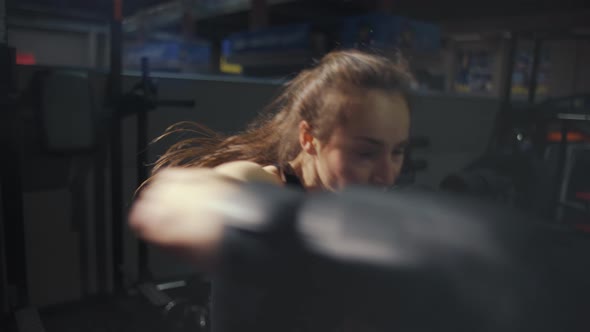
(275, 39)
(167, 55)
(380, 31)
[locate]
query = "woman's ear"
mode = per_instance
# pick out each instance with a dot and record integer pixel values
(306, 140)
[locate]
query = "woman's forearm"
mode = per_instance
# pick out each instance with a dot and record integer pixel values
(184, 209)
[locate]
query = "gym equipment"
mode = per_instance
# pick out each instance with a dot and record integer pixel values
(26, 316)
(178, 314)
(114, 132)
(68, 95)
(12, 204)
(139, 101)
(94, 127)
(142, 99)
(533, 169)
(530, 155)
(419, 261)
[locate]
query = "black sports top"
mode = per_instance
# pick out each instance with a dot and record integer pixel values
(288, 173)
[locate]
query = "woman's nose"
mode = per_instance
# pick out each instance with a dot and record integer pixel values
(385, 174)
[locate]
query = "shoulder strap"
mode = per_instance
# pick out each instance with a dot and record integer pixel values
(289, 174)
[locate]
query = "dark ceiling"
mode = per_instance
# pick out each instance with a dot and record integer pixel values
(317, 12)
(99, 9)
(431, 9)
(323, 12)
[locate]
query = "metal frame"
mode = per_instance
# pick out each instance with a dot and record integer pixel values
(11, 184)
(4, 305)
(116, 163)
(142, 100)
(142, 161)
(119, 108)
(570, 160)
(538, 47)
(2, 21)
(506, 96)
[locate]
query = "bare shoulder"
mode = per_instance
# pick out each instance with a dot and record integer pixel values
(250, 171)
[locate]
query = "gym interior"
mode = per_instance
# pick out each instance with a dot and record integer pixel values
(500, 113)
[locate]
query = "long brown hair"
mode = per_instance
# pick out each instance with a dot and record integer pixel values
(273, 136)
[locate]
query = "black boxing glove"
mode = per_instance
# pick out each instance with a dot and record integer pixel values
(422, 261)
(259, 231)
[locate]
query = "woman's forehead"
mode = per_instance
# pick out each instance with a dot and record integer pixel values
(378, 115)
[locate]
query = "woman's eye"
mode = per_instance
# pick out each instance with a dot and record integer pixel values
(399, 152)
(366, 154)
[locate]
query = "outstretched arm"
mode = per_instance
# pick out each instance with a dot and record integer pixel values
(184, 209)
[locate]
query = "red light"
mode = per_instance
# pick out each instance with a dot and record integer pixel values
(583, 227)
(583, 196)
(25, 59)
(572, 137)
(118, 13)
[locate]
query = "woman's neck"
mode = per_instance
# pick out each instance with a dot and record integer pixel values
(305, 169)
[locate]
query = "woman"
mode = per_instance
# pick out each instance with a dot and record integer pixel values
(344, 122)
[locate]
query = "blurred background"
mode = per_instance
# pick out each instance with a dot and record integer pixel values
(454, 46)
(501, 111)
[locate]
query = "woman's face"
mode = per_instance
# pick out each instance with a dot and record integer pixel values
(368, 147)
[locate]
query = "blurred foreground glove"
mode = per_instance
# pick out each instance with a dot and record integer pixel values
(364, 260)
(420, 261)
